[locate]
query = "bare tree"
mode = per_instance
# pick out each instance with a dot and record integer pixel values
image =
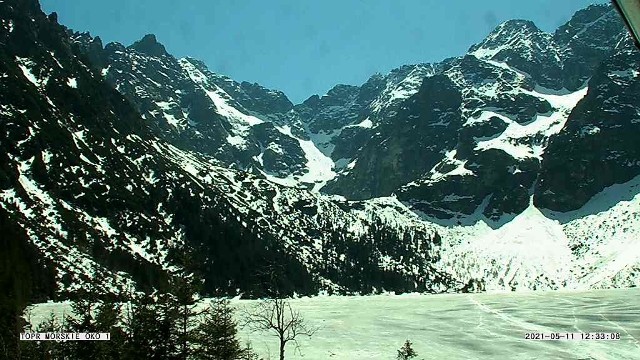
(278, 317)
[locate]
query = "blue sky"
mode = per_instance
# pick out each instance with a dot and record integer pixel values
(305, 47)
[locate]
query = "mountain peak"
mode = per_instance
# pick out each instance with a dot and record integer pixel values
(518, 24)
(150, 46)
(601, 17)
(512, 28)
(511, 34)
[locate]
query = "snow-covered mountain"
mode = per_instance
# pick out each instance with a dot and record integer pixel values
(108, 200)
(243, 125)
(513, 166)
(475, 133)
(449, 137)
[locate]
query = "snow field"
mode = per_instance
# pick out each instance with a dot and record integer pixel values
(452, 326)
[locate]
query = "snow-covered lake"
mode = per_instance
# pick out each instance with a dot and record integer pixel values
(466, 326)
(458, 326)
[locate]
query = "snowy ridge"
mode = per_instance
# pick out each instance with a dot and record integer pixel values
(520, 35)
(399, 88)
(597, 246)
(318, 168)
(520, 140)
(219, 97)
(347, 112)
(195, 109)
(239, 121)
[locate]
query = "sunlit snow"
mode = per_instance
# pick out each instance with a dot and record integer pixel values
(24, 64)
(366, 123)
(72, 82)
(320, 168)
(545, 124)
(457, 327)
(449, 158)
(218, 96)
(534, 249)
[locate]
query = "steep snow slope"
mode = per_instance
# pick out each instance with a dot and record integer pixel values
(597, 246)
(319, 166)
(528, 252)
(529, 140)
(604, 236)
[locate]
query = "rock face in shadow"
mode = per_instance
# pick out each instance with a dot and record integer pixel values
(598, 147)
(410, 143)
(149, 45)
(515, 90)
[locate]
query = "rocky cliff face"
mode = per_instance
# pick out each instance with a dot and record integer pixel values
(244, 125)
(464, 135)
(597, 147)
(473, 136)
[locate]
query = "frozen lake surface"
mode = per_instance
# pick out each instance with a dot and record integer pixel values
(466, 326)
(457, 326)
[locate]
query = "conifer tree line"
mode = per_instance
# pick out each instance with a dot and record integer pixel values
(167, 324)
(360, 270)
(154, 326)
(171, 324)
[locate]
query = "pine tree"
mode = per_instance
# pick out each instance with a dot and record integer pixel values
(181, 301)
(25, 277)
(81, 320)
(180, 307)
(45, 349)
(406, 352)
(107, 317)
(216, 333)
(149, 325)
